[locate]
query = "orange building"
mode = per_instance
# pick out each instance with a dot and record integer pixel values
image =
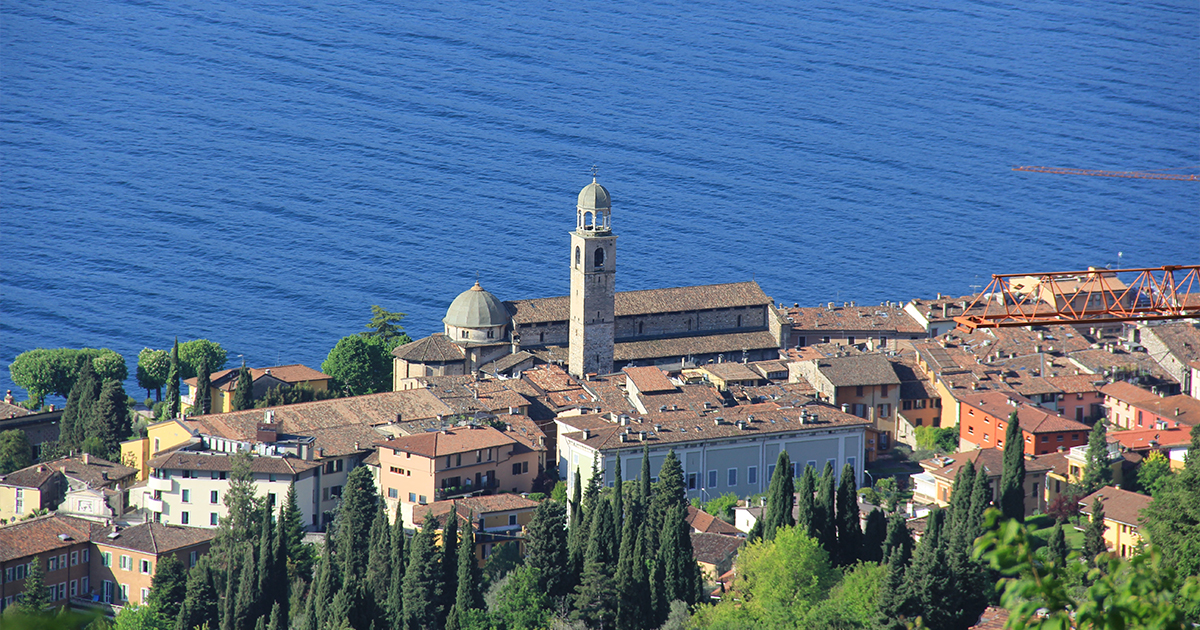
(123, 561)
(61, 544)
(983, 420)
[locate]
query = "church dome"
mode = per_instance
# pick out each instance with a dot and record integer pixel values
(594, 197)
(476, 308)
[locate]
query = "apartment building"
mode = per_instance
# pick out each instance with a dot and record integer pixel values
(497, 519)
(863, 385)
(936, 484)
(61, 545)
(25, 491)
(1122, 508)
(123, 560)
(984, 415)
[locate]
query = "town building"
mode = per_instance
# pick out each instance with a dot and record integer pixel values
(1165, 413)
(714, 553)
(223, 383)
(25, 491)
(863, 385)
(1119, 398)
(984, 419)
(936, 484)
(1122, 510)
(1173, 443)
(123, 560)
(497, 519)
(96, 488)
(40, 427)
(876, 327)
(61, 545)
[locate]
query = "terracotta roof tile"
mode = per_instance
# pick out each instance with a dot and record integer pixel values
(732, 344)
(154, 538)
(1181, 408)
(732, 371)
(714, 548)
(43, 534)
(853, 318)
(34, 476)
(1120, 505)
(994, 618)
(865, 369)
(223, 462)
(649, 379)
(477, 506)
(1139, 439)
(436, 348)
(95, 473)
(450, 441)
(294, 373)
(670, 300)
(704, 522)
(1127, 392)
(1030, 417)
(300, 419)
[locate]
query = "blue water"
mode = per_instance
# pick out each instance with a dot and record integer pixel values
(260, 173)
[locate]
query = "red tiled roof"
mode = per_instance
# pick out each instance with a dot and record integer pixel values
(450, 441)
(628, 303)
(714, 548)
(1180, 408)
(1030, 417)
(853, 318)
(1120, 505)
(42, 534)
(95, 472)
(732, 344)
(222, 462)
(34, 476)
(649, 379)
(153, 538)
(1139, 439)
(294, 373)
(436, 348)
(863, 369)
(1127, 392)
(477, 506)
(994, 618)
(704, 522)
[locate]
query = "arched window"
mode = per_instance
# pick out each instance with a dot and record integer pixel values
(577, 256)
(599, 258)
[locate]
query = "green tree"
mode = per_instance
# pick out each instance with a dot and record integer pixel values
(1154, 473)
(361, 365)
(43, 371)
(1139, 593)
(1012, 479)
(521, 604)
(193, 354)
(291, 524)
(669, 492)
(1097, 472)
(939, 439)
(1172, 520)
(981, 499)
(929, 581)
(680, 572)
(722, 506)
(36, 599)
(780, 497)
(1056, 547)
(780, 579)
(468, 598)
(632, 582)
(806, 502)
(203, 393)
(423, 580)
(1093, 536)
(168, 588)
(173, 375)
(141, 618)
(379, 563)
(576, 535)
(825, 512)
(546, 549)
(15, 451)
(240, 526)
(874, 536)
(109, 420)
(200, 604)
(618, 508)
(386, 325)
(243, 395)
(152, 367)
(960, 502)
(395, 600)
(852, 603)
(898, 538)
(356, 512)
(595, 598)
(81, 405)
(849, 530)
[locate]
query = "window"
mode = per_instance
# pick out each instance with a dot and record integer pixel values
(213, 519)
(906, 405)
(858, 391)
(885, 410)
(105, 559)
(412, 497)
(1045, 438)
(1059, 437)
(145, 594)
(271, 477)
(74, 558)
(598, 257)
(986, 438)
(849, 340)
(423, 500)
(796, 470)
(145, 566)
(752, 475)
(712, 479)
(739, 321)
(577, 256)
(184, 518)
(124, 592)
(83, 584)
(85, 556)
(833, 465)
(62, 561)
(970, 430)
(512, 519)
(1028, 439)
(108, 592)
(393, 493)
(691, 477)
(812, 463)
(126, 563)
(883, 389)
(74, 588)
(851, 461)
(214, 497)
(52, 563)
(824, 339)
(186, 495)
(271, 498)
(732, 480)
(770, 471)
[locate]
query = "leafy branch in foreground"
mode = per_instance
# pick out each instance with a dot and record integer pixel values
(1137, 593)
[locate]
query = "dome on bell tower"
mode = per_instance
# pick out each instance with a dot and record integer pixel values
(594, 197)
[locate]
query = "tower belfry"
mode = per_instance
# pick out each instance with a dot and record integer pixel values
(593, 271)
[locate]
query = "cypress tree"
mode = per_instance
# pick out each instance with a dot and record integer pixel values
(874, 536)
(631, 583)
(173, 400)
(546, 549)
(325, 585)
(1012, 480)
(291, 525)
(279, 584)
(200, 604)
(981, 498)
(229, 599)
(109, 420)
(468, 598)
(395, 599)
(677, 560)
(595, 597)
(356, 512)
(780, 496)
(1097, 472)
(644, 479)
(449, 562)
(929, 582)
(806, 502)
(668, 493)
(246, 608)
(168, 588)
(379, 565)
(826, 512)
(278, 620)
(618, 507)
(203, 395)
(899, 539)
(577, 538)
(894, 592)
(243, 396)
(81, 402)
(423, 579)
(35, 600)
(1093, 536)
(849, 530)
(265, 572)
(1056, 548)
(960, 499)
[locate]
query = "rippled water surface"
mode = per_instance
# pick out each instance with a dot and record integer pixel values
(260, 173)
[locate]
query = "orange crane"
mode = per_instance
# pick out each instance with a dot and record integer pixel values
(1080, 297)
(1097, 173)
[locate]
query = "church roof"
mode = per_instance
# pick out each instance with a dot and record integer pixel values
(648, 302)
(732, 344)
(594, 197)
(476, 308)
(436, 348)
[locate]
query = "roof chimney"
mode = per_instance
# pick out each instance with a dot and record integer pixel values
(587, 434)
(1178, 411)
(845, 408)
(87, 457)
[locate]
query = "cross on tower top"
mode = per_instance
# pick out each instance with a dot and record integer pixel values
(594, 171)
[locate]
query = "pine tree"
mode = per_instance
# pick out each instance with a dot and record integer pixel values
(423, 579)
(1056, 548)
(291, 524)
(379, 564)
(81, 402)
(109, 420)
(595, 597)
(1097, 472)
(929, 581)
(546, 549)
(395, 599)
(278, 620)
(780, 497)
(240, 526)
(668, 492)
(680, 572)
(631, 582)
(468, 598)
(174, 403)
(826, 512)
(325, 585)
(893, 595)
(449, 562)
(168, 588)
(200, 604)
(265, 570)
(981, 499)
(1093, 536)
(1012, 480)
(36, 599)
(618, 506)
(849, 530)
(356, 512)
(203, 395)
(874, 536)
(806, 502)
(899, 539)
(229, 599)
(245, 609)
(243, 396)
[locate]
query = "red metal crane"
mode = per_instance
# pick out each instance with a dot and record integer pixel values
(1097, 173)
(1092, 296)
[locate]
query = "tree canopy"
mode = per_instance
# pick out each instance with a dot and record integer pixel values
(193, 353)
(43, 372)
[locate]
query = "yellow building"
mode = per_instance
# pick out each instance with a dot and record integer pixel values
(223, 384)
(25, 491)
(1121, 512)
(160, 437)
(497, 519)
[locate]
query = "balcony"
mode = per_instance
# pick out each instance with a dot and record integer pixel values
(154, 505)
(162, 485)
(454, 492)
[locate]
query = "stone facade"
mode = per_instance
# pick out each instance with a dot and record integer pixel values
(593, 278)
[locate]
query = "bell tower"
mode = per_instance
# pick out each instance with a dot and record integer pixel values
(593, 270)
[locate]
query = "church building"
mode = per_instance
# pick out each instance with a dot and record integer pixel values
(597, 329)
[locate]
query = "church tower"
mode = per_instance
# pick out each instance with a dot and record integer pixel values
(593, 270)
